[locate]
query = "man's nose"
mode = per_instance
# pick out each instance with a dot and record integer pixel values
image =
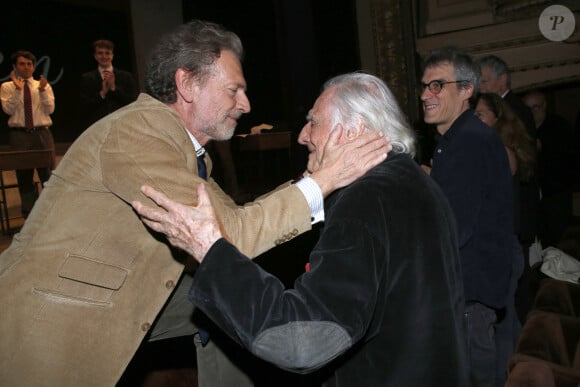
(244, 103)
(426, 94)
(304, 136)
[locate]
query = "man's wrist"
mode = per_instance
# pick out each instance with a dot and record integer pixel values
(313, 196)
(324, 184)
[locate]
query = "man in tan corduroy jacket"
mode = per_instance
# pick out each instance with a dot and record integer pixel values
(84, 280)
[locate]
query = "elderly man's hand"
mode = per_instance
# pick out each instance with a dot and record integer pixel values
(344, 163)
(193, 229)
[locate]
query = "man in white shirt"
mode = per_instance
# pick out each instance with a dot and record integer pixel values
(29, 103)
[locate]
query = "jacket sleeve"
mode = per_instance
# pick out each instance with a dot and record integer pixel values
(89, 93)
(328, 310)
(152, 148)
(125, 88)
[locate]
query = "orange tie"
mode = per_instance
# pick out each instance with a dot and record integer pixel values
(28, 121)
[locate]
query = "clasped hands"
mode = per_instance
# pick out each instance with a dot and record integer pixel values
(108, 82)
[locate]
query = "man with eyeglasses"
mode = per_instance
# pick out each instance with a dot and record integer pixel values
(470, 164)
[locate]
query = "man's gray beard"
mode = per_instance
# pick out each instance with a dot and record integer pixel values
(223, 135)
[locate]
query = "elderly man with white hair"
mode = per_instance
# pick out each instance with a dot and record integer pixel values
(381, 302)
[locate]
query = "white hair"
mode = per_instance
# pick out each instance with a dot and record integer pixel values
(363, 97)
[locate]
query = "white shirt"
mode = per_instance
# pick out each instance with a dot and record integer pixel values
(13, 103)
(311, 191)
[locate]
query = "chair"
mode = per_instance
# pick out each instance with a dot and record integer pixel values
(550, 339)
(13, 160)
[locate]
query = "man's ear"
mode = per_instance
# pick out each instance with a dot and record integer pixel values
(185, 85)
(503, 79)
(353, 132)
(468, 91)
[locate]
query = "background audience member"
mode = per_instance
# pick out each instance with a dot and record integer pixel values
(85, 279)
(470, 164)
(106, 88)
(29, 103)
(374, 309)
(496, 78)
(496, 113)
(555, 169)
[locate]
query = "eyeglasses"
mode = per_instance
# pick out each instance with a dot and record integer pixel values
(436, 86)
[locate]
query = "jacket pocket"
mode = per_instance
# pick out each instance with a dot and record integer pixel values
(84, 281)
(89, 271)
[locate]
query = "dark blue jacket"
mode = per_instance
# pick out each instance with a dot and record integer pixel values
(470, 164)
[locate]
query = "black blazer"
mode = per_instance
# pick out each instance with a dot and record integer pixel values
(382, 303)
(93, 107)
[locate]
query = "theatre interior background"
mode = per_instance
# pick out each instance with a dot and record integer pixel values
(292, 47)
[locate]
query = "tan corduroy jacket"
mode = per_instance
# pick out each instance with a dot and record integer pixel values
(83, 281)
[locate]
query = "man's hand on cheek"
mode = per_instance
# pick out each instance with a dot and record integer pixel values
(345, 162)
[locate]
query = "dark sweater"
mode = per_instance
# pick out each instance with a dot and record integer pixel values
(470, 164)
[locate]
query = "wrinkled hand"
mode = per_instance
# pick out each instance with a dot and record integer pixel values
(16, 80)
(342, 164)
(193, 229)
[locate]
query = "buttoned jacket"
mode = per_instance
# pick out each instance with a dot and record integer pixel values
(83, 281)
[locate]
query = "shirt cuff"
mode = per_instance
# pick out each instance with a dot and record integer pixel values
(313, 195)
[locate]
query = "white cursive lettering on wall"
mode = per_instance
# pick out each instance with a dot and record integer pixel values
(45, 62)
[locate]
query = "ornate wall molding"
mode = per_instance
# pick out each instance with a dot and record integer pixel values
(533, 59)
(401, 33)
(394, 49)
(518, 9)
